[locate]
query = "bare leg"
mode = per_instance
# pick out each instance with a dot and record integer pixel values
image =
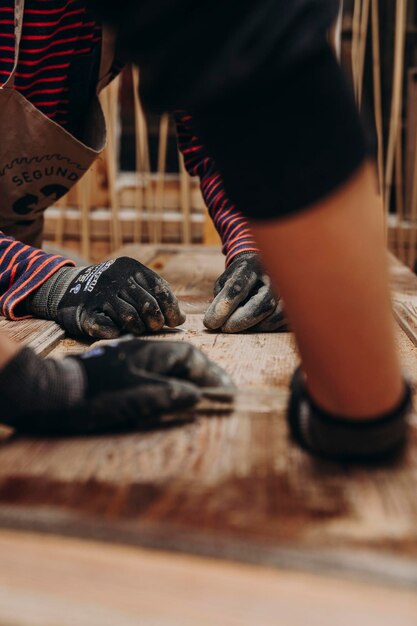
(331, 268)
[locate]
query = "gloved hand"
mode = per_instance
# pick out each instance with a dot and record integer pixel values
(106, 300)
(125, 385)
(244, 299)
(343, 439)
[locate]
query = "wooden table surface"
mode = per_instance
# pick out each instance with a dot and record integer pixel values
(230, 487)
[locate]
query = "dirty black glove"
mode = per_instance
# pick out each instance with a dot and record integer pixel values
(128, 384)
(343, 439)
(106, 300)
(244, 299)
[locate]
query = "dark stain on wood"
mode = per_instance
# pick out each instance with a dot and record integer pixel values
(269, 507)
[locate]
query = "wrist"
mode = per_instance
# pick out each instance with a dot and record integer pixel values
(344, 438)
(244, 253)
(31, 384)
(45, 300)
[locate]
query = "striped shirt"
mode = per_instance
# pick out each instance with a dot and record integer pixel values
(22, 270)
(232, 227)
(57, 33)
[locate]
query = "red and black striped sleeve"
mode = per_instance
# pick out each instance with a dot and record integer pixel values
(232, 227)
(57, 36)
(56, 33)
(22, 270)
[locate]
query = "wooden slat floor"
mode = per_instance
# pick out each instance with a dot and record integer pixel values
(226, 486)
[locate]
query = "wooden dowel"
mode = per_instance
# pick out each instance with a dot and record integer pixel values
(112, 169)
(356, 22)
(185, 201)
(84, 189)
(376, 73)
(144, 196)
(396, 103)
(337, 33)
(363, 37)
(412, 238)
(210, 235)
(160, 183)
(139, 195)
(399, 193)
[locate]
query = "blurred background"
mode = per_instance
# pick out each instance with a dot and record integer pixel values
(139, 190)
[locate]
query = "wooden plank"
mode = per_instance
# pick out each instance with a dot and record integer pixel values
(228, 486)
(52, 582)
(148, 251)
(40, 335)
(145, 254)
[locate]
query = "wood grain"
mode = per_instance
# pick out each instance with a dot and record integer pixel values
(45, 581)
(228, 486)
(40, 335)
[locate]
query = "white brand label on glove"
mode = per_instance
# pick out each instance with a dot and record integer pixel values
(90, 279)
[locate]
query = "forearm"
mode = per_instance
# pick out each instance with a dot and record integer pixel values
(337, 299)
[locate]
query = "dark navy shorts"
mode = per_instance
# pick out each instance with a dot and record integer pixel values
(267, 96)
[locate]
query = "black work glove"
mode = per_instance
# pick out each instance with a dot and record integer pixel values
(342, 439)
(106, 300)
(244, 299)
(126, 385)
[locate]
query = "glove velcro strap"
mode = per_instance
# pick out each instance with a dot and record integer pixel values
(341, 438)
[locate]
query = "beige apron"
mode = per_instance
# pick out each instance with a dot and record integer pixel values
(39, 160)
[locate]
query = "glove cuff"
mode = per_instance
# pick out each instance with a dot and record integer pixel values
(45, 300)
(341, 438)
(244, 253)
(29, 383)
